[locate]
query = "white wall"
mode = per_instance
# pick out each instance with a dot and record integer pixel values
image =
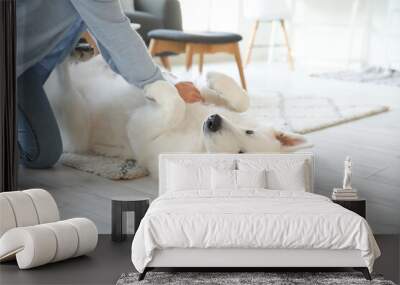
(215, 15)
(384, 41)
(326, 32)
(323, 32)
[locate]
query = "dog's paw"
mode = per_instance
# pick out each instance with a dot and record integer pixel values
(229, 90)
(167, 100)
(213, 78)
(161, 92)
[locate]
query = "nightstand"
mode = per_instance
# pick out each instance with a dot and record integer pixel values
(126, 204)
(358, 206)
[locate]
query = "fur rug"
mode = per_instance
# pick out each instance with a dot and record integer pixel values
(373, 74)
(108, 167)
(299, 114)
(242, 278)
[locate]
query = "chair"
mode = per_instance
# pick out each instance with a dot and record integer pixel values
(31, 232)
(268, 11)
(154, 14)
(171, 42)
(150, 15)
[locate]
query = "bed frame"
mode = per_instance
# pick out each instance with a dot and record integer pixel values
(245, 259)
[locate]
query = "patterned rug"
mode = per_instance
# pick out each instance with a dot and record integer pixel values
(247, 278)
(307, 113)
(373, 74)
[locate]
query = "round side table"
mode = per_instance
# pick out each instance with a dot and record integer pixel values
(123, 204)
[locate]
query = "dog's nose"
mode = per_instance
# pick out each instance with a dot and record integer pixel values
(214, 123)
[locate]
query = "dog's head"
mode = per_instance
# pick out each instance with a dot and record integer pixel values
(221, 135)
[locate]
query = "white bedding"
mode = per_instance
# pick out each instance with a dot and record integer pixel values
(250, 219)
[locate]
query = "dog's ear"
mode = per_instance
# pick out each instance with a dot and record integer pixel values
(290, 141)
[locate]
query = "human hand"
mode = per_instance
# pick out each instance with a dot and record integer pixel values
(188, 92)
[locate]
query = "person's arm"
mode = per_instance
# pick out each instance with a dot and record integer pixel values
(122, 48)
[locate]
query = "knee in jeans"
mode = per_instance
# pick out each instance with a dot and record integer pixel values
(46, 158)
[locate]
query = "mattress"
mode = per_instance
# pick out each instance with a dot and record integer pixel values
(251, 219)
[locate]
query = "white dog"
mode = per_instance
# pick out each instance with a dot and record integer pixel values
(103, 114)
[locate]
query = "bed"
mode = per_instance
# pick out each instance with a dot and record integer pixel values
(245, 211)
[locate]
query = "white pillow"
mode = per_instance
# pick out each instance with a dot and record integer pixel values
(293, 180)
(193, 174)
(226, 179)
(251, 178)
(281, 174)
(181, 177)
(223, 179)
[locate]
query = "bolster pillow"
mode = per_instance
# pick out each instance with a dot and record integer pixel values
(40, 244)
(26, 208)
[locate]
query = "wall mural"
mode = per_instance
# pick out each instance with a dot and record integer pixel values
(101, 116)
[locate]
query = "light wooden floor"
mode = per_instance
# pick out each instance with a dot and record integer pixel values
(373, 143)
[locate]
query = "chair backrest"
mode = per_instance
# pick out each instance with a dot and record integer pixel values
(214, 159)
(267, 10)
(26, 208)
(168, 11)
(128, 5)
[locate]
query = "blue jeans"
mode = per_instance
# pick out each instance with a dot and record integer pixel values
(39, 138)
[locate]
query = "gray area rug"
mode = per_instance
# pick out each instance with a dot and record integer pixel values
(243, 278)
(374, 74)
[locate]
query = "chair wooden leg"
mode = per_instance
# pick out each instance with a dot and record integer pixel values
(152, 47)
(272, 39)
(189, 56)
(165, 62)
(238, 59)
(201, 62)
(252, 41)
(290, 57)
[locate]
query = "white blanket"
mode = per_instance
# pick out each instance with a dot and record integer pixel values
(250, 219)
